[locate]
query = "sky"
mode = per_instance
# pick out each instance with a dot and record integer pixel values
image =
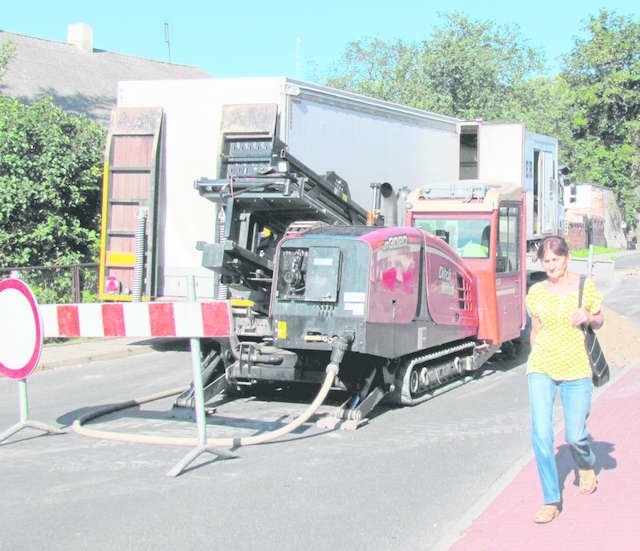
(293, 38)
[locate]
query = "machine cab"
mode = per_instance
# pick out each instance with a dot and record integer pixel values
(483, 222)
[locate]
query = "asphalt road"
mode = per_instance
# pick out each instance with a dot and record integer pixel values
(622, 292)
(411, 479)
(402, 481)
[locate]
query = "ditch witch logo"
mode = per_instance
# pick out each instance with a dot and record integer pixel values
(445, 276)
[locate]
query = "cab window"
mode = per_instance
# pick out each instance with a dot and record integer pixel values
(508, 259)
(470, 237)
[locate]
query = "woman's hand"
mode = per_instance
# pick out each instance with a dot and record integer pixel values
(582, 317)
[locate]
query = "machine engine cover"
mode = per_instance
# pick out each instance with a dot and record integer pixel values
(397, 290)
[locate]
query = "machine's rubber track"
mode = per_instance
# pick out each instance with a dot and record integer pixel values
(418, 378)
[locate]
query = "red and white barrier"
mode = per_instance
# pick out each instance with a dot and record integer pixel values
(137, 319)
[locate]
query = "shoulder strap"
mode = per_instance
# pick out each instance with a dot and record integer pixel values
(580, 291)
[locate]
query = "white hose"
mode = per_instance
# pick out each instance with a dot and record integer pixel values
(331, 372)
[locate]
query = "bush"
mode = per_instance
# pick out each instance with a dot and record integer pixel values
(50, 177)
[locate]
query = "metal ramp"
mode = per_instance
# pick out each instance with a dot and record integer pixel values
(131, 180)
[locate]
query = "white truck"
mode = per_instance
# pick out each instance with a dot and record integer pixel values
(166, 136)
(507, 152)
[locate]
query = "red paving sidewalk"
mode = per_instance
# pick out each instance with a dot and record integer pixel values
(609, 519)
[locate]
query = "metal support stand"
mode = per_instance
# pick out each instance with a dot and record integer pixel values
(24, 417)
(201, 420)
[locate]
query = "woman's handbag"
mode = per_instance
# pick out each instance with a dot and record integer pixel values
(599, 365)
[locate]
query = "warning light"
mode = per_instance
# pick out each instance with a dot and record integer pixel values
(111, 285)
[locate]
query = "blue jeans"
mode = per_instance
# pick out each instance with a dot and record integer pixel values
(576, 403)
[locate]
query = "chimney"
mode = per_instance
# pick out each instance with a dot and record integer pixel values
(80, 35)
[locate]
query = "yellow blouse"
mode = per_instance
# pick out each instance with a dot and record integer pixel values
(559, 346)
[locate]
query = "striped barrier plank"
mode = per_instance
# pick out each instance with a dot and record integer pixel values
(137, 319)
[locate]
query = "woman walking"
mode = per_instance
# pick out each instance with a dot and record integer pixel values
(559, 362)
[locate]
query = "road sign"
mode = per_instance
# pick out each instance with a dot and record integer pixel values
(20, 330)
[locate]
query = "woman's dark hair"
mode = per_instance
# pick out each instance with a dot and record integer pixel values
(554, 243)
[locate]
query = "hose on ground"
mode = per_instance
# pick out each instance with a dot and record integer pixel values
(78, 424)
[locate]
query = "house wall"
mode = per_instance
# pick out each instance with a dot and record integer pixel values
(593, 217)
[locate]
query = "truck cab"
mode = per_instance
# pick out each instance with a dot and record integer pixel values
(483, 222)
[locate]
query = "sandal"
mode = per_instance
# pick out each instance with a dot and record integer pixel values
(587, 481)
(546, 514)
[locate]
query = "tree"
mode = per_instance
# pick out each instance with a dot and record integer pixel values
(377, 69)
(603, 74)
(50, 172)
(467, 69)
(471, 68)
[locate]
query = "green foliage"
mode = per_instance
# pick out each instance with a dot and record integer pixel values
(471, 68)
(50, 173)
(468, 69)
(603, 71)
(603, 74)
(57, 287)
(375, 68)
(61, 284)
(7, 53)
(597, 250)
(54, 291)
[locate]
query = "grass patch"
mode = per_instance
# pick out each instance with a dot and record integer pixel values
(584, 253)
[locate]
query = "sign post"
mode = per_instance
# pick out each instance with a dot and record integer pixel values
(20, 346)
(201, 416)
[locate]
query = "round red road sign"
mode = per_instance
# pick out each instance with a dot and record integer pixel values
(20, 329)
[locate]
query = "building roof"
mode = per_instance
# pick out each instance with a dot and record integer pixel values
(79, 78)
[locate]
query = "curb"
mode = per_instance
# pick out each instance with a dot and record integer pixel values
(80, 353)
